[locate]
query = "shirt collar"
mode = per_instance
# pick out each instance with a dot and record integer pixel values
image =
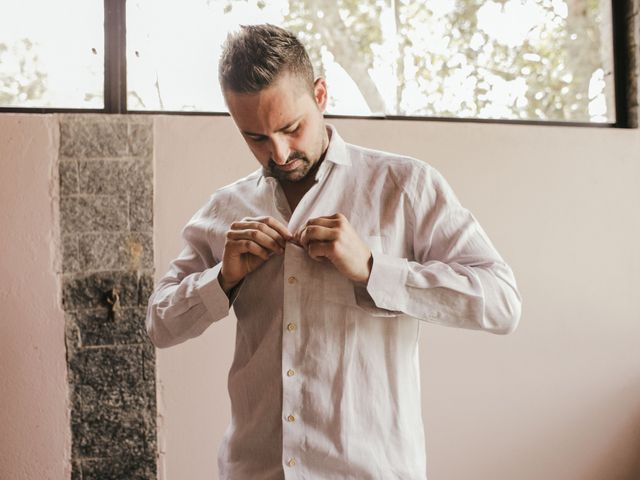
(337, 151)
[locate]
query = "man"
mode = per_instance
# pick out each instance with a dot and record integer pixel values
(331, 255)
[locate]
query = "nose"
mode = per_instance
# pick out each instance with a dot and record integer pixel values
(279, 151)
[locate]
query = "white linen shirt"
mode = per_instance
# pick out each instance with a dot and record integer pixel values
(325, 380)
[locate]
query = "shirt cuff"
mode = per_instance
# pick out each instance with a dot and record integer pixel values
(387, 280)
(211, 293)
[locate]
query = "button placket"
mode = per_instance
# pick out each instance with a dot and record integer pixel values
(291, 379)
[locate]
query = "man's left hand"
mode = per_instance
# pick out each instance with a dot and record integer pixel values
(333, 238)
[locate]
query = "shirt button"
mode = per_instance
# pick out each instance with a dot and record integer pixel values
(291, 418)
(291, 327)
(291, 462)
(290, 373)
(292, 280)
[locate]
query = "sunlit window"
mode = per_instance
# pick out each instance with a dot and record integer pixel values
(541, 60)
(52, 53)
(509, 59)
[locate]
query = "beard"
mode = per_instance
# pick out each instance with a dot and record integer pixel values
(307, 165)
(296, 175)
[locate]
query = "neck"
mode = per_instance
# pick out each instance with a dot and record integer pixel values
(294, 191)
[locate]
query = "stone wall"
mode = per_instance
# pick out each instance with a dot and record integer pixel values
(106, 198)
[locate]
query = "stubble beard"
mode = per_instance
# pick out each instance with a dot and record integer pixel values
(296, 175)
(305, 168)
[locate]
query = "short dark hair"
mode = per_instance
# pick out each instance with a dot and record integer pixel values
(256, 55)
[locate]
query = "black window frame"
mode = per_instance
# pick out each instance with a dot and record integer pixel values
(115, 78)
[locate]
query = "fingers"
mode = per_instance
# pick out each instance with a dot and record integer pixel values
(321, 250)
(249, 243)
(332, 221)
(278, 227)
(267, 225)
(238, 247)
(320, 236)
(264, 240)
(335, 221)
(317, 233)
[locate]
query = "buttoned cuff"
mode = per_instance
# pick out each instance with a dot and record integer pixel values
(212, 295)
(387, 280)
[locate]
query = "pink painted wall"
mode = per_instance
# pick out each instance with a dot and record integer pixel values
(35, 440)
(558, 399)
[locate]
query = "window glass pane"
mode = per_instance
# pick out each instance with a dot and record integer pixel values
(514, 59)
(52, 53)
(508, 59)
(173, 52)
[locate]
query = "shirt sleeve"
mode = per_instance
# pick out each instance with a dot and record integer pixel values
(456, 278)
(189, 298)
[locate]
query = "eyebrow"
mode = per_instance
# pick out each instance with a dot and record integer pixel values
(288, 125)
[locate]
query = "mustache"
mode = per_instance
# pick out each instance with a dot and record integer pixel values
(292, 157)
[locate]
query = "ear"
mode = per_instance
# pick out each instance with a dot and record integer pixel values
(320, 93)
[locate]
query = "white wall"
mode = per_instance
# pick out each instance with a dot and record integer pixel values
(35, 439)
(559, 398)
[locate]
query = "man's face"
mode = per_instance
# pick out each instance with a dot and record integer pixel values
(283, 125)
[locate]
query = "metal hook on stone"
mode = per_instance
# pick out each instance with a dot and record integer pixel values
(113, 299)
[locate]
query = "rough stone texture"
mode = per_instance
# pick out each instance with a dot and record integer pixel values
(93, 139)
(98, 326)
(99, 437)
(76, 470)
(91, 213)
(115, 177)
(115, 251)
(106, 177)
(89, 291)
(106, 200)
(119, 468)
(70, 259)
(104, 369)
(68, 177)
(140, 139)
(140, 212)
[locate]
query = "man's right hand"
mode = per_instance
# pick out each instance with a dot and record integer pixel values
(249, 243)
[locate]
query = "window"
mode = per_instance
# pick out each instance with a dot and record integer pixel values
(522, 60)
(513, 59)
(49, 57)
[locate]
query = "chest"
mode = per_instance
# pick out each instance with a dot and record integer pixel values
(380, 213)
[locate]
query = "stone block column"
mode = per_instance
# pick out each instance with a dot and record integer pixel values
(106, 199)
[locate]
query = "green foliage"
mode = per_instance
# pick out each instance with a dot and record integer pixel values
(21, 79)
(448, 66)
(347, 29)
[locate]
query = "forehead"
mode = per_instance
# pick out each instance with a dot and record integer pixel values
(271, 108)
